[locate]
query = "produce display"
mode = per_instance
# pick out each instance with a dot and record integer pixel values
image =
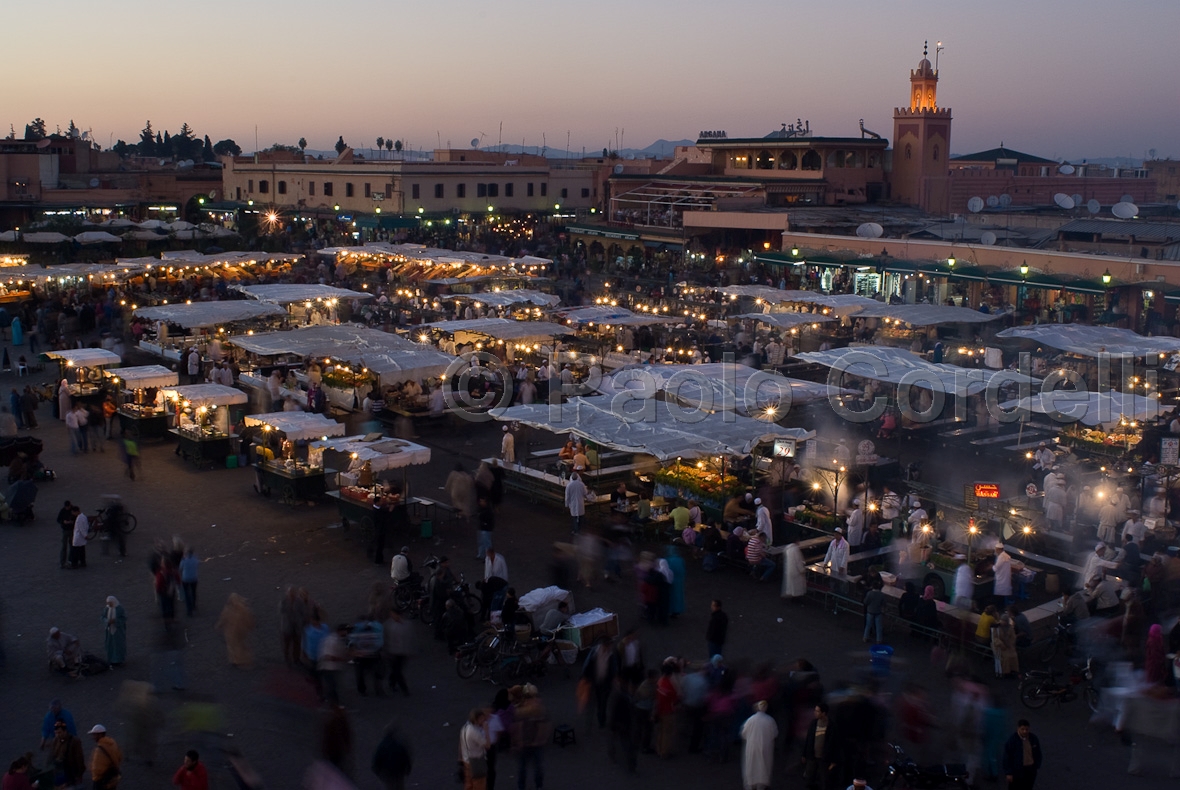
(700, 483)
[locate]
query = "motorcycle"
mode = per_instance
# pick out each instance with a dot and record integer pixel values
(1037, 687)
(460, 593)
(1062, 639)
(929, 777)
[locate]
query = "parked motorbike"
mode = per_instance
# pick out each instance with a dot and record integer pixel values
(1038, 687)
(905, 773)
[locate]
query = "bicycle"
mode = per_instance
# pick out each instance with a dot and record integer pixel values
(100, 524)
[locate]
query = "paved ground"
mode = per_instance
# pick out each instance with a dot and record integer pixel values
(255, 547)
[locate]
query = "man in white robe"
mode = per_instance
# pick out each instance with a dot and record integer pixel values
(794, 572)
(758, 734)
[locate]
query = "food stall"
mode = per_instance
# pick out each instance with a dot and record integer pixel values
(653, 433)
(1104, 424)
(202, 422)
(141, 404)
(82, 369)
(357, 355)
(219, 319)
(364, 460)
(310, 303)
(296, 479)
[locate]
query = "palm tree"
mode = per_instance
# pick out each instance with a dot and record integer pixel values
(380, 143)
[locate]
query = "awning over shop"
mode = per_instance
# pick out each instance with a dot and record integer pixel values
(657, 428)
(291, 293)
(200, 315)
(717, 386)
(841, 304)
(207, 395)
(787, 320)
(1091, 408)
(85, 357)
(895, 366)
(927, 314)
(81, 271)
(386, 222)
(143, 376)
(502, 328)
(298, 425)
(394, 359)
(1092, 341)
(382, 454)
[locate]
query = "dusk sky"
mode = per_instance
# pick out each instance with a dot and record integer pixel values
(1078, 79)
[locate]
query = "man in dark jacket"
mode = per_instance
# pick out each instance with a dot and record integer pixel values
(1022, 757)
(817, 750)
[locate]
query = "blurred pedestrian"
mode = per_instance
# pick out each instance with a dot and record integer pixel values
(138, 706)
(188, 580)
(236, 625)
(191, 775)
(79, 539)
(65, 520)
(397, 647)
(758, 733)
(55, 714)
(105, 761)
(717, 630)
(676, 597)
(17, 777)
(530, 733)
(818, 765)
(66, 756)
(115, 631)
(393, 760)
(473, 748)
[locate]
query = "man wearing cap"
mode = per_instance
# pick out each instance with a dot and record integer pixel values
(762, 516)
(837, 556)
(576, 496)
(1043, 458)
(758, 733)
(1135, 527)
(1094, 565)
(856, 526)
(508, 447)
(1002, 571)
(104, 760)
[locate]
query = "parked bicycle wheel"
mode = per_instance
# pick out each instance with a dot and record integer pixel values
(1033, 696)
(128, 524)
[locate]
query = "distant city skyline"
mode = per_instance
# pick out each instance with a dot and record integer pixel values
(1087, 79)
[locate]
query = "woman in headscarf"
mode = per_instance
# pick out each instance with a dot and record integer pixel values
(676, 597)
(927, 610)
(18, 332)
(115, 620)
(1156, 662)
(1004, 647)
(236, 623)
(63, 400)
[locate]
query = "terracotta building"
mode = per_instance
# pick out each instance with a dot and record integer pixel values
(921, 144)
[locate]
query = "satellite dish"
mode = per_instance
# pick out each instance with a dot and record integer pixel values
(1178, 204)
(1005, 200)
(1063, 200)
(1126, 199)
(475, 142)
(213, 194)
(1093, 206)
(987, 238)
(869, 230)
(1066, 170)
(618, 170)
(94, 183)
(992, 201)
(1125, 209)
(975, 205)
(1077, 199)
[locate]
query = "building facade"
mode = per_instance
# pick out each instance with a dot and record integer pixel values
(452, 182)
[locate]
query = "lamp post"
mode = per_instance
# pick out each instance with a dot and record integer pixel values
(1022, 290)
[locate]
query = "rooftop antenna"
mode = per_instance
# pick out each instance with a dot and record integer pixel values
(937, 49)
(500, 140)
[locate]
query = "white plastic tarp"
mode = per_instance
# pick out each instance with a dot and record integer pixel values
(503, 328)
(616, 316)
(395, 359)
(895, 366)
(208, 394)
(97, 237)
(1091, 408)
(787, 320)
(841, 303)
(1092, 341)
(382, 454)
(927, 314)
(44, 237)
(85, 357)
(506, 298)
(289, 293)
(144, 376)
(656, 428)
(205, 314)
(298, 425)
(718, 386)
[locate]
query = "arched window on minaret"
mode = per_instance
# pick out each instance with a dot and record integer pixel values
(936, 153)
(909, 151)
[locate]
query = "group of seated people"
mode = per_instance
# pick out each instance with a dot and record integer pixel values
(578, 456)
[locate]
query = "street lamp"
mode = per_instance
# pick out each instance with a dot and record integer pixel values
(951, 261)
(1106, 277)
(794, 252)
(1024, 269)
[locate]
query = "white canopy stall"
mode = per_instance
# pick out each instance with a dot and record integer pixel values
(1092, 408)
(895, 366)
(284, 293)
(717, 386)
(298, 426)
(608, 316)
(787, 320)
(204, 315)
(143, 377)
(86, 364)
(202, 420)
(1093, 341)
(145, 417)
(510, 297)
(381, 453)
(926, 314)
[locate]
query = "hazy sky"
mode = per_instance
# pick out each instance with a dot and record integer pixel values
(1054, 78)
